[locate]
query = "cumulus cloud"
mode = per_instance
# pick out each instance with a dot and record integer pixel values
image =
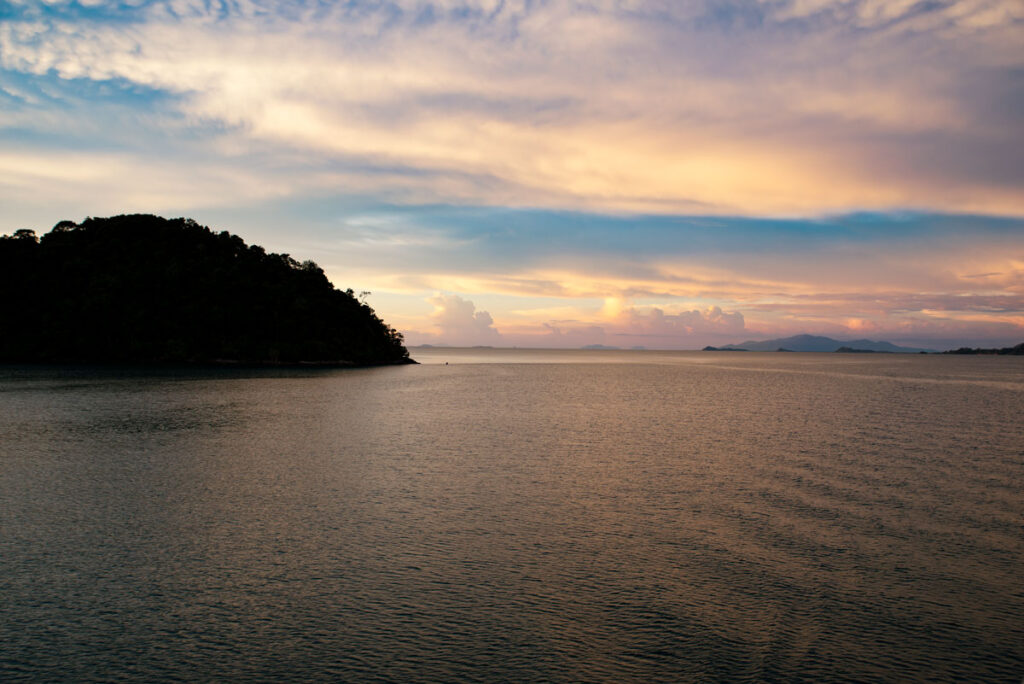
(634, 327)
(459, 323)
(711, 320)
(644, 327)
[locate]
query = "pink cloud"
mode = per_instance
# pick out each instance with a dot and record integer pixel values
(458, 322)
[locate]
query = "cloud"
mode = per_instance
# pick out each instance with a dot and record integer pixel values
(781, 107)
(631, 327)
(554, 155)
(458, 322)
(574, 271)
(656, 322)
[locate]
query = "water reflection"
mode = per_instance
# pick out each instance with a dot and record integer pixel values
(515, 521)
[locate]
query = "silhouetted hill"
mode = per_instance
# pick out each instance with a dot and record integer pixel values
(815, 343)
(144, 288)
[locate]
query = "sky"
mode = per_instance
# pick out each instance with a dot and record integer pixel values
(556, 173)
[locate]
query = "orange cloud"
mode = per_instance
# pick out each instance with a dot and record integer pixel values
(583, 105)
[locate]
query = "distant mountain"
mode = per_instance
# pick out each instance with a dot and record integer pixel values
(599, 347)
(815, 343)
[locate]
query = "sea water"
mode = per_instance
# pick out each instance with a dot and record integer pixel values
(517, 515)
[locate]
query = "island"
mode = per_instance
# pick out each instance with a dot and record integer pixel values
(1017, 350)
(817, 343)
(142, 289)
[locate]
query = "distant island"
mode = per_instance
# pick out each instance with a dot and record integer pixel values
(1011, 351)
(816, 343)
(141, 288)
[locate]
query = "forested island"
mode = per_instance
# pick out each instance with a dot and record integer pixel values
(1004, 351)
(141, 288)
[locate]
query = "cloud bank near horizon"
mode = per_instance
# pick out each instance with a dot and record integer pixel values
(568, 279)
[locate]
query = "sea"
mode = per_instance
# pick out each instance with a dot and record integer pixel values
(502, 515)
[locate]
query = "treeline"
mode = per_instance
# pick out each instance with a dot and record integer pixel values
(142, 288)
(1014, 351)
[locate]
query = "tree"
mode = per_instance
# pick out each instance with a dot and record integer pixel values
(145, 288)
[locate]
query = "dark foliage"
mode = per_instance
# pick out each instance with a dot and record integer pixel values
(1010, 351)
(145, 288)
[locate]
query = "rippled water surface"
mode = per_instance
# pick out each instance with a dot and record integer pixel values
(517, 516)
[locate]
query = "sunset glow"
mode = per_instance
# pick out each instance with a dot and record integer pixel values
(657, 174)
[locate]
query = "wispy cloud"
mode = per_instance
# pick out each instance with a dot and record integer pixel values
(693, 107)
